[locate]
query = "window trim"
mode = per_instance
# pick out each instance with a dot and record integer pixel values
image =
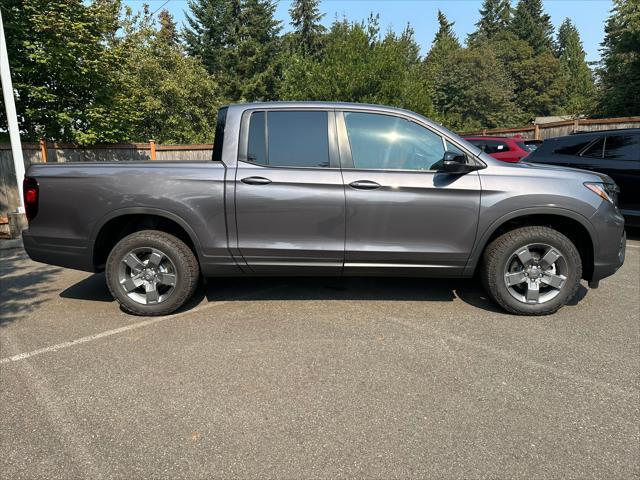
(346, 158)
(334, 163)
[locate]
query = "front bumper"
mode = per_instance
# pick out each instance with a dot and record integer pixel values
(609, 253)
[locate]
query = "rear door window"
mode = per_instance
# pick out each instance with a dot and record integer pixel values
(622, 147)
(289, 139)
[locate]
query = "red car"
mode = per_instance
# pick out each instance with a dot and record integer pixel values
(507, 149)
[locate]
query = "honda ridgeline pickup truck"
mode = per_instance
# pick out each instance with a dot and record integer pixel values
(327, 189)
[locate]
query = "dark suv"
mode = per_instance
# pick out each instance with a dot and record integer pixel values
(614, 152)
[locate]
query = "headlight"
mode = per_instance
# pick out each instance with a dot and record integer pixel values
(606, 191)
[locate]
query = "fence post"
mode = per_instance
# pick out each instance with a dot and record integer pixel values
(152, 146)
(484, 132)
(576, 124)
(43, 150)
(536, 132)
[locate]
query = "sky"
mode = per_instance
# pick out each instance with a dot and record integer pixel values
(588, 15)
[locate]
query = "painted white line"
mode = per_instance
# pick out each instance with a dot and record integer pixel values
(126, 328)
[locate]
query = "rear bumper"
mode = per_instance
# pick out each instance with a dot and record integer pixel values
(53, 253)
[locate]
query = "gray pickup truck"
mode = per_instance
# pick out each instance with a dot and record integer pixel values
(327, 189)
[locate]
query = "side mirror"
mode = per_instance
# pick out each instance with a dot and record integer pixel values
(454, 162)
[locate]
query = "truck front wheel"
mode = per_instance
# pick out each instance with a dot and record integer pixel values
(151, 273)
(531, 270)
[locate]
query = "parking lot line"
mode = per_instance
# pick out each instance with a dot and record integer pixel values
(126, 328)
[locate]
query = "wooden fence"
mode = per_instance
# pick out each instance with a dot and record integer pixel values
(560, 129)
(64, 152)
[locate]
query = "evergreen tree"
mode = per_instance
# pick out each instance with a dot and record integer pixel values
(445, 44)
(531, 24)
(254, 61)
(619, 69)
(308, 31)
(580, 90)
(210, 29)
(168, 32)
(495, 16)
(445, 34)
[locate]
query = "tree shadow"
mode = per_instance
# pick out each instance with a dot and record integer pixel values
(23, 286)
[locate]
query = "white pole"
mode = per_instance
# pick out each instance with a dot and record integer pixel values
(12, 119)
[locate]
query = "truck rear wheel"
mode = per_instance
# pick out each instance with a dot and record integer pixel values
(531, 270)
(151, 273)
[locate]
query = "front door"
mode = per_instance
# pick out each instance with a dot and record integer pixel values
(403, 215)
(289, 195)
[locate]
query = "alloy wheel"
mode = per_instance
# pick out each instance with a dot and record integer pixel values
(535, 273)
(147, 275)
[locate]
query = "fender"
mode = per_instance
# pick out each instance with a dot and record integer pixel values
(143, 210)
(481, 240)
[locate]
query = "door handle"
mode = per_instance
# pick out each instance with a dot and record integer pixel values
(364, 185)
(256, 181)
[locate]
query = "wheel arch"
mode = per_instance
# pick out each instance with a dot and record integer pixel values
(573, 225)
(120, 223)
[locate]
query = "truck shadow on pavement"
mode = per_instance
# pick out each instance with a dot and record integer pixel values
(93, 288)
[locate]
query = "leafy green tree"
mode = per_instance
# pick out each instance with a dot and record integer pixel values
(473, 92)
(531, 24)
(619, 69)
(308, 29)
(495, 17)
(580, 89)
(60, 63)
(160, 93)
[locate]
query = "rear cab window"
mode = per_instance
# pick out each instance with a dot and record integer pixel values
(288, 139)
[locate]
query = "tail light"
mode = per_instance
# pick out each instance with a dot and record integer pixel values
(31, 193)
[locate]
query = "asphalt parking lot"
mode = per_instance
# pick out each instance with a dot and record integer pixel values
(293, 378)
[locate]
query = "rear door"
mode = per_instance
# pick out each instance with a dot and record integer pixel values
(403, 216)
(289, 195)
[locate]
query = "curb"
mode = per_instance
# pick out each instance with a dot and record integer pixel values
(10, 244)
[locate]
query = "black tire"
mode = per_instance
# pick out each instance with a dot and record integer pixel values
(184, 268)
(499, 253)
